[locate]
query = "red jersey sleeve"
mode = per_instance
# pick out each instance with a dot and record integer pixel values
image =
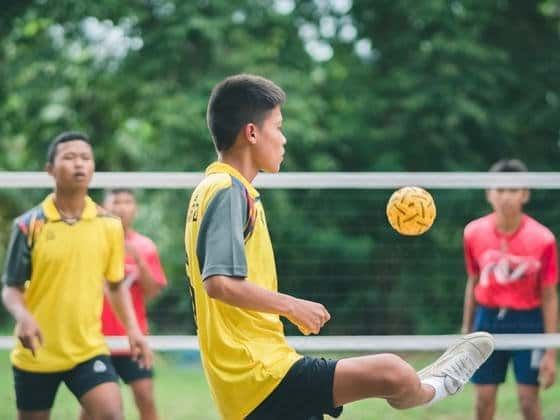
(549, 261)
(471, 265)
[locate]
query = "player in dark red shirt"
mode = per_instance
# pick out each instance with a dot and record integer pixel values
(511, 262)
(145, 278)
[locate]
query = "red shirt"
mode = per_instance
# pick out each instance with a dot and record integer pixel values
(512, 268)
(148, 252)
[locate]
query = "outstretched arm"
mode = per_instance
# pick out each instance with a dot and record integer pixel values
(308, 316)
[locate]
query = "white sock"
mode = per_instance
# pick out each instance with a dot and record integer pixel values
(436, 383)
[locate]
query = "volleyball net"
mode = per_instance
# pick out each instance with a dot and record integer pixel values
(333, 245)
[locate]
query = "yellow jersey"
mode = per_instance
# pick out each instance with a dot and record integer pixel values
(244, 353)
(62, 268)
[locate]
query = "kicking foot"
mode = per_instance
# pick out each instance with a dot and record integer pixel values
(449, 374)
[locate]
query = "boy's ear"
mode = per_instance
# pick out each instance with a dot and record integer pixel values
(526, 196)
(487, 195)
(250, 133)
(49, 168)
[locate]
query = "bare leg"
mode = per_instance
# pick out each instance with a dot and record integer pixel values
(529, 401)
(34, 415)
(143, 390)
(83, 414)
(383, 376)
(485, 401)
(103, 402)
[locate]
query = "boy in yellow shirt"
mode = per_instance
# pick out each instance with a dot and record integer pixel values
(60, 254)
(252, 371)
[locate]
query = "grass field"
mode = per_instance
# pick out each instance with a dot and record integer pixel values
(182, 393)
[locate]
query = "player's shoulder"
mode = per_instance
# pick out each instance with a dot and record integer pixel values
(143, 241)
(27, 221)
(481, 225)
(536, 228)
(216, 182)
(107, 218)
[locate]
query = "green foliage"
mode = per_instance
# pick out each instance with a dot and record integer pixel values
(446, 85)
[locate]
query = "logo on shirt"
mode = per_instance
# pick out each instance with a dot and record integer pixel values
(99, 367)
(506, 268)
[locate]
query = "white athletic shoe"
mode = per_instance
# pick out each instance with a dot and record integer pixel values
(450, 373)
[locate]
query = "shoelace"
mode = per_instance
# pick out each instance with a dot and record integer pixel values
(460, 370)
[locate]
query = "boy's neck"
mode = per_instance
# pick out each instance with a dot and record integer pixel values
(70, 204)
(242, 162)
(508, 224)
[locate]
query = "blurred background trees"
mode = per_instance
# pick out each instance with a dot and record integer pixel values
(372, 86)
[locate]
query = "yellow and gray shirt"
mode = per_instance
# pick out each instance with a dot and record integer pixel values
(63, 268)
(244, 353)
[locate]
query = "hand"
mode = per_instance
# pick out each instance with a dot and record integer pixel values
(28, 332)
(547, 370)
(131, 250)
(140, 350)
(308, 316)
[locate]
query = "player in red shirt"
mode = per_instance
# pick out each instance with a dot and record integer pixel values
(145, 278)
(511, 262)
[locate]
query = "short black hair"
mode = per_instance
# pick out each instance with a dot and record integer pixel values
(115, 191)
(238, 100)
(509, 165)
(63, 138)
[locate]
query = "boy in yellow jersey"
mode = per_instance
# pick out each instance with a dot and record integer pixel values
(59, 257)
(252, 371)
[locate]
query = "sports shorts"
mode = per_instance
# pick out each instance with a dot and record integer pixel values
(36, 391)
(305, 393)
(526, 363)
(129, 370)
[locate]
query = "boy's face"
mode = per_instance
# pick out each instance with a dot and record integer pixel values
(508, 201)
(268, 149)
(122, 205)
(73, 165)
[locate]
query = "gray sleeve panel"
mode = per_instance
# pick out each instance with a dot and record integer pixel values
(17, 265)
(220, 246)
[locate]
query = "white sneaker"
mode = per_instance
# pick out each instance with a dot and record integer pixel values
(457, 365)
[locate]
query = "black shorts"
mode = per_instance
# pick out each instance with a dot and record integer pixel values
(305, 393)
(129, 370)
(36, 391)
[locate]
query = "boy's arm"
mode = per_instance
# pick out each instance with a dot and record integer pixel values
(27, 329)
(17, 270)
(547, 371)
(549, 306)
(469, 305)
(308, 316)
(150, 285)
(121, 302)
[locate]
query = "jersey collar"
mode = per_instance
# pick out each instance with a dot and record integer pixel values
(221, 167)
(51, 212)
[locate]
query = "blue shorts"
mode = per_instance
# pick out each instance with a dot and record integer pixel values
(526, 363)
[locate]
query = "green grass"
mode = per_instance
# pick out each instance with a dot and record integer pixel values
(182, 393)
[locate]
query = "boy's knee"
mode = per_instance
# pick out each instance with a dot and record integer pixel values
(400, 377)
(109, 411)
(528, 403)
(144, 398)
(107, 415)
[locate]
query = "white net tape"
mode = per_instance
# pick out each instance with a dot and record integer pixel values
(304, 180)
